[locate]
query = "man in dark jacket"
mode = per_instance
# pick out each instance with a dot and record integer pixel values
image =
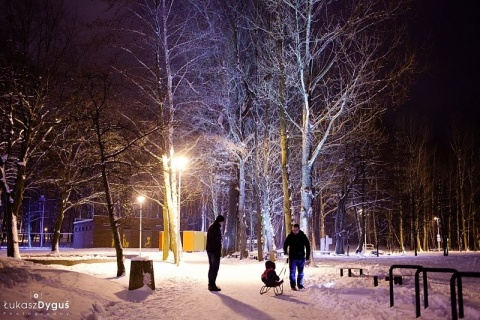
(214, 251)
(297, 243)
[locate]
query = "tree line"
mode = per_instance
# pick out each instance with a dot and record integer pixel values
(288, 111)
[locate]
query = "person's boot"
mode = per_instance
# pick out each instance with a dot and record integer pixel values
(214, 288)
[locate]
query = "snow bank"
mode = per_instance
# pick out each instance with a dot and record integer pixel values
(91, 290)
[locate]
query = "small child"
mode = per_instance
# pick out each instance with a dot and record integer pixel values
(269, 276)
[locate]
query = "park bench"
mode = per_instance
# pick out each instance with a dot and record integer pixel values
(350, 274)
(397, 279)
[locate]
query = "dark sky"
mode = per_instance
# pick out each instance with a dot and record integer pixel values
(447, 33)
(450, 31)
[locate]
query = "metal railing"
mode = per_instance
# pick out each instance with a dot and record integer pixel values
(455, 282)
(425, 285)
(390, 277)
(458, 276)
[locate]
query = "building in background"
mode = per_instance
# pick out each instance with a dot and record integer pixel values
(96, 232)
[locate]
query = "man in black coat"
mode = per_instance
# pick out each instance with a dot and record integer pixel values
(214, 251)
(298, 251)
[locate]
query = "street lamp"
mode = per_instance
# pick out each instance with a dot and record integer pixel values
(438, 232)
(42, 221)
(140, 200)
(178, 165)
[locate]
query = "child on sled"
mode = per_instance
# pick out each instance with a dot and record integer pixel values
(269, 276)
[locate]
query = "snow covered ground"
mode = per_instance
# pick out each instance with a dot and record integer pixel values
(91, 290)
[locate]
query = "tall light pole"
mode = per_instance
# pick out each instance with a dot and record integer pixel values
(178, 165)
(42, 221)
(438, 232)
(140, 200)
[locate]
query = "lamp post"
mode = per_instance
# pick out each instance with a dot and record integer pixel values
(438, 232)
(178, 165)
(42, 221)
(140, 200)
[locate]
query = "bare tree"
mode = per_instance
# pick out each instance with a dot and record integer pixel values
(463, 145)
(36, 39)
(413, 140)
(67, 169)
(165, 43)
(339, 63)
(114, 133)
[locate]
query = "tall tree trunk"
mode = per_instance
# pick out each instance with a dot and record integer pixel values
(113, 218)
(171, 203)
(17, 196)
(306, 175)
(241, 210)
(58, 224)
(260, 231)
(258, 185)
(259, 227)
(401, 239)
(231, 223)
(286, 185)
(11, 230)
(321, 216)
(166, 233)
(463, 213)
(114, 225)
(339, 221)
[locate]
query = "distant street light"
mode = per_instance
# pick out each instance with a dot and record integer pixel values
(140, 200)
(178, 165)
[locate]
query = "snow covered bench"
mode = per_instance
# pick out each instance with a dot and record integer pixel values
(255, 256)
(350, 270)
(375, 278)
(397, 279)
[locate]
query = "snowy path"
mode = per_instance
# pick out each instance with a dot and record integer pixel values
(181, 291)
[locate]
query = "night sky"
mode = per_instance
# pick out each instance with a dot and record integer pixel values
(447, 31)
(447, 36)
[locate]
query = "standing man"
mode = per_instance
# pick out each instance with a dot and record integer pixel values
(214, 251)
(297, 243)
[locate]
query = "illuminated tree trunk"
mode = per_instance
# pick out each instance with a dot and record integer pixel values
(58, 224)
(286, 184)
(241, 210)
(171, 204)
